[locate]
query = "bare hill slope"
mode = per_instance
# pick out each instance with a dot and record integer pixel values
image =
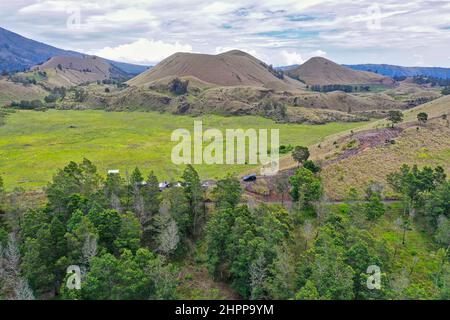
(69, 71)
(233, 68)
(321, 71)
(10, 91)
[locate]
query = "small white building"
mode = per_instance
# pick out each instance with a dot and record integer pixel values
(113, 171)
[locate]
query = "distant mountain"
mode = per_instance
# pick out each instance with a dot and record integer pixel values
(398, 71)
(18, 53)
(287, 68)
(232, 68)
(321, 71)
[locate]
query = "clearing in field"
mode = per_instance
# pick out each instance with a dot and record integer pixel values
(33, 145)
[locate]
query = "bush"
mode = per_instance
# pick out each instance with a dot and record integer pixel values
(178, 86)
(22, 79)
(446, 91)
(80, 95)
(51, 98)
(286, 149)
(312, 166)
(28, 105)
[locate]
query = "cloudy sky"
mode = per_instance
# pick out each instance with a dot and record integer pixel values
(280, 32)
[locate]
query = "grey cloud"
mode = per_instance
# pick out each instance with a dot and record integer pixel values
(340, 26)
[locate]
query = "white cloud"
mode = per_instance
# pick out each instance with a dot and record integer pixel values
(318, 53)
(291, 58)
(219, 8)
(143, 51)
(123, 16)
(276, 31)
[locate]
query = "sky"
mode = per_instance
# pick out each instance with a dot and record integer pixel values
(279, 32)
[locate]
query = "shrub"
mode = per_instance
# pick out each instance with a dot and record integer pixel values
(28, 105)
(51, 98)
(178, 86)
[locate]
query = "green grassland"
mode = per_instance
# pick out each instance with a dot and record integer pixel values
(33, 145)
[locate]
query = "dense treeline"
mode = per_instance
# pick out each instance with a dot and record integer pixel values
(124, 233)
(431, 80)
(340, 87)
(27, 79)
(120, 232)
(28, 105)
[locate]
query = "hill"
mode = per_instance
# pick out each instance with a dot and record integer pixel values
(18, 53)
(10, 91)
(72, 71)
(233, 68)
(398, 71)
(372, 151)
(321, 71)
(350, 103)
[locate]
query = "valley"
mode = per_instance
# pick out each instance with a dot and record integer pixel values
(87, 179)
(34, 144)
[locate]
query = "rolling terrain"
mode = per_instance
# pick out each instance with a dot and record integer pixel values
(235, 83)
(73, 71)
(18, 53)
(230, 90)
(370, 152)
(231, 83)
(10, 91)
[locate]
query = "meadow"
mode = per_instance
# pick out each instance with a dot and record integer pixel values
(33, 145)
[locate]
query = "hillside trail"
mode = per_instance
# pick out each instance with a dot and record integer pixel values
(365, 139)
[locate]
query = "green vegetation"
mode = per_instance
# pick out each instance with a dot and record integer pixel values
(80, 226)
(33, 144)
(259, 250)
(422, 117)
(28, 105)
(130, 240)
(445, 91)
(300, 154)
(178, 86)
(28, 78)
(395, 116)
(350, 88)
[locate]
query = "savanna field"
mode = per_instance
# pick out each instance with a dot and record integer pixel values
(33, 145)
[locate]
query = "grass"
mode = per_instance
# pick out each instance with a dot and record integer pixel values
(418, 256)
(429, 146)
(434, 109)
(33, 145)
(13, 91)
